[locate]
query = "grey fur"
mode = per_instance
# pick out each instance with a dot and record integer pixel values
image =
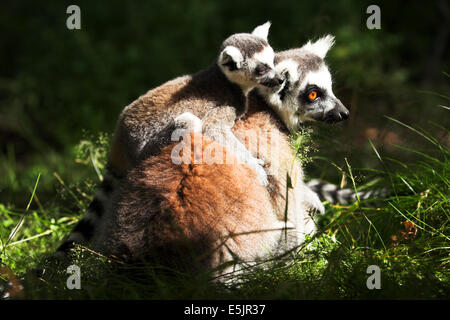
(246, 43)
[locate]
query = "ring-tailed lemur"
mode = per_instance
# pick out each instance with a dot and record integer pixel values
(220, 92)
(212, 213)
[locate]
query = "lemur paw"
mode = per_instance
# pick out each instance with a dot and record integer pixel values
(258, 166)
(189, 122)
(262, 176)
(313, 202)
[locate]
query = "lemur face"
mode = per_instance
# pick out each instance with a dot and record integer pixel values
(261, 70)
(307, 91)
(248, 60)
(312, 96)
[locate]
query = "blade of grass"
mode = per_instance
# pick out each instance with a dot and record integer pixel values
(22, 219)
(386, 168)
(357, 196)
(425, 136)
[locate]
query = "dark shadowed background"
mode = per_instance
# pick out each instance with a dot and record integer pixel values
(59, 87)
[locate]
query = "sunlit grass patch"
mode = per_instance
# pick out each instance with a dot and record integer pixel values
(405, 233)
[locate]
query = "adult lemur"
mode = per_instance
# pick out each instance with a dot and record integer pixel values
(202, 215)
(217, 95)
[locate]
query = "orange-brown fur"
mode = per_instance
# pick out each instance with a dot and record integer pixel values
(262, 119)
(186, 215)
(192, 215)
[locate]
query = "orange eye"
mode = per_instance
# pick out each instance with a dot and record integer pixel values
(312, 95)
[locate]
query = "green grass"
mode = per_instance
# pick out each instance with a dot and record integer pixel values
(331, 265)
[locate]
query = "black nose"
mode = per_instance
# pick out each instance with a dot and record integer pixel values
(279, 80)
(345, 114)
(337, 114)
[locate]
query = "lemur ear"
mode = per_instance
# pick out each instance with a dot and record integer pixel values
(288, 69)
(231, 57)
(262, 31)
(321, 46)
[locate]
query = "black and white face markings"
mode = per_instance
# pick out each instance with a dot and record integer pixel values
(247, 60)
(307, 91)
(263, 72)
(316, 98)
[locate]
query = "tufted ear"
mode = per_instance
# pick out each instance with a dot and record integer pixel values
(288, 69)
(262, 31)
(231, 57)
(321, 46)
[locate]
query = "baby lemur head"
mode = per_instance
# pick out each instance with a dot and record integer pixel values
(247, 59)
(307, 91)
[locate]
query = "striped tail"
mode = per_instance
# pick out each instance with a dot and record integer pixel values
(87, 227)
(335, 195)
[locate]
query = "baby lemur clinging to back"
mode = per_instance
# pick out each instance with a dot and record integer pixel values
(216, 95)
(202, 216)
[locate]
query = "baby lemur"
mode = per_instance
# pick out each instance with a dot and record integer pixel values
(216, 95)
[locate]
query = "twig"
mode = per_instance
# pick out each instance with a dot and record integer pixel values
(101, 255)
